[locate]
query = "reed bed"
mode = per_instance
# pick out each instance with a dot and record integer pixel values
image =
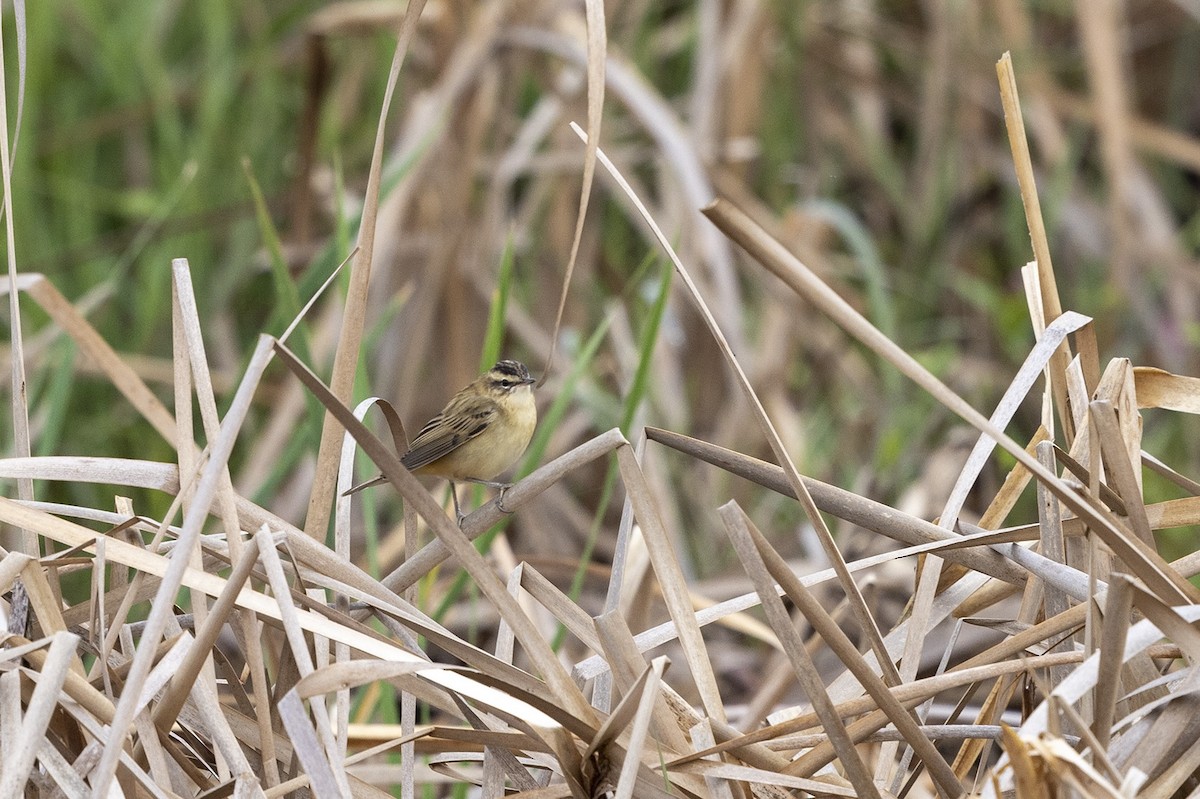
(667, 602)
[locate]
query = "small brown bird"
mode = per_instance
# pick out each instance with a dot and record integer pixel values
(482, 431)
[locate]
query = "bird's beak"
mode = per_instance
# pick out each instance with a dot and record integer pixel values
(529, 381)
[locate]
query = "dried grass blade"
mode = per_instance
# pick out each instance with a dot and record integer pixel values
(630, 704)
(1113, 644)
(345, 359)
(1186, 483)
(1148, 565)
(24, 540)
(1029, 779)
(170, 656)
(506, 739)
(132, 769)
(327, 569)
(1174, 513)
(276, 578)
(1089, 357)
(1107, 495)
(192, 376)
(627, 658)
(573, 617)
(342, 523)
(801, 661)
(215, 725)
(1051, 304)
(318, 768)
(11, 566)
(499, 762)
(1077, 395)
(1054, 548)
(45, 605)
(1186, 636)
(20, 753)
(65, 777)
(98, 620)
(1178, 773)
(1037, 314)
(597, 59)
(566, 752)
(83, 469)
(733, 772)
(702, 738)
(618, 647)
(639, 728)
(1033, 367)
(353, 673)
(168, 707)
(96, 704)
(1070, 581)
(1120, 469)
(10, 707)
(119, 373)
(671, 580)
(997, 511)
(1160, 389)
(391, 606)
(1165, 737)
(1014, 485)
(973, 751)
(18, 650)
(197, 359)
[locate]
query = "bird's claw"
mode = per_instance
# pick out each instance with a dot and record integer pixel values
(500, 499)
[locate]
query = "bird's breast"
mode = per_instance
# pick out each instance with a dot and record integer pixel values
(492, 451)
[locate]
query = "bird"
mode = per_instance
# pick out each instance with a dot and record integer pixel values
(481, 432)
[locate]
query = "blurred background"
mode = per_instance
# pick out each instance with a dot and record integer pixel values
(866, 135)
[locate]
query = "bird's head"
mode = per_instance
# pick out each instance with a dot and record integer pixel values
(507, 377)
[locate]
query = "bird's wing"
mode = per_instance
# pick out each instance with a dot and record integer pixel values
(460, 421)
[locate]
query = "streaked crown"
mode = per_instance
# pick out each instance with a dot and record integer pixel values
(507, 375)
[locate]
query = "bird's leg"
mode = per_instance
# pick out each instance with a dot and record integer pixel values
(492, 484)
(499, 486)
(500, 498)
(458, 514)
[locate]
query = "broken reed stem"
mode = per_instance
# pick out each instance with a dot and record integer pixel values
(1051, 304)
